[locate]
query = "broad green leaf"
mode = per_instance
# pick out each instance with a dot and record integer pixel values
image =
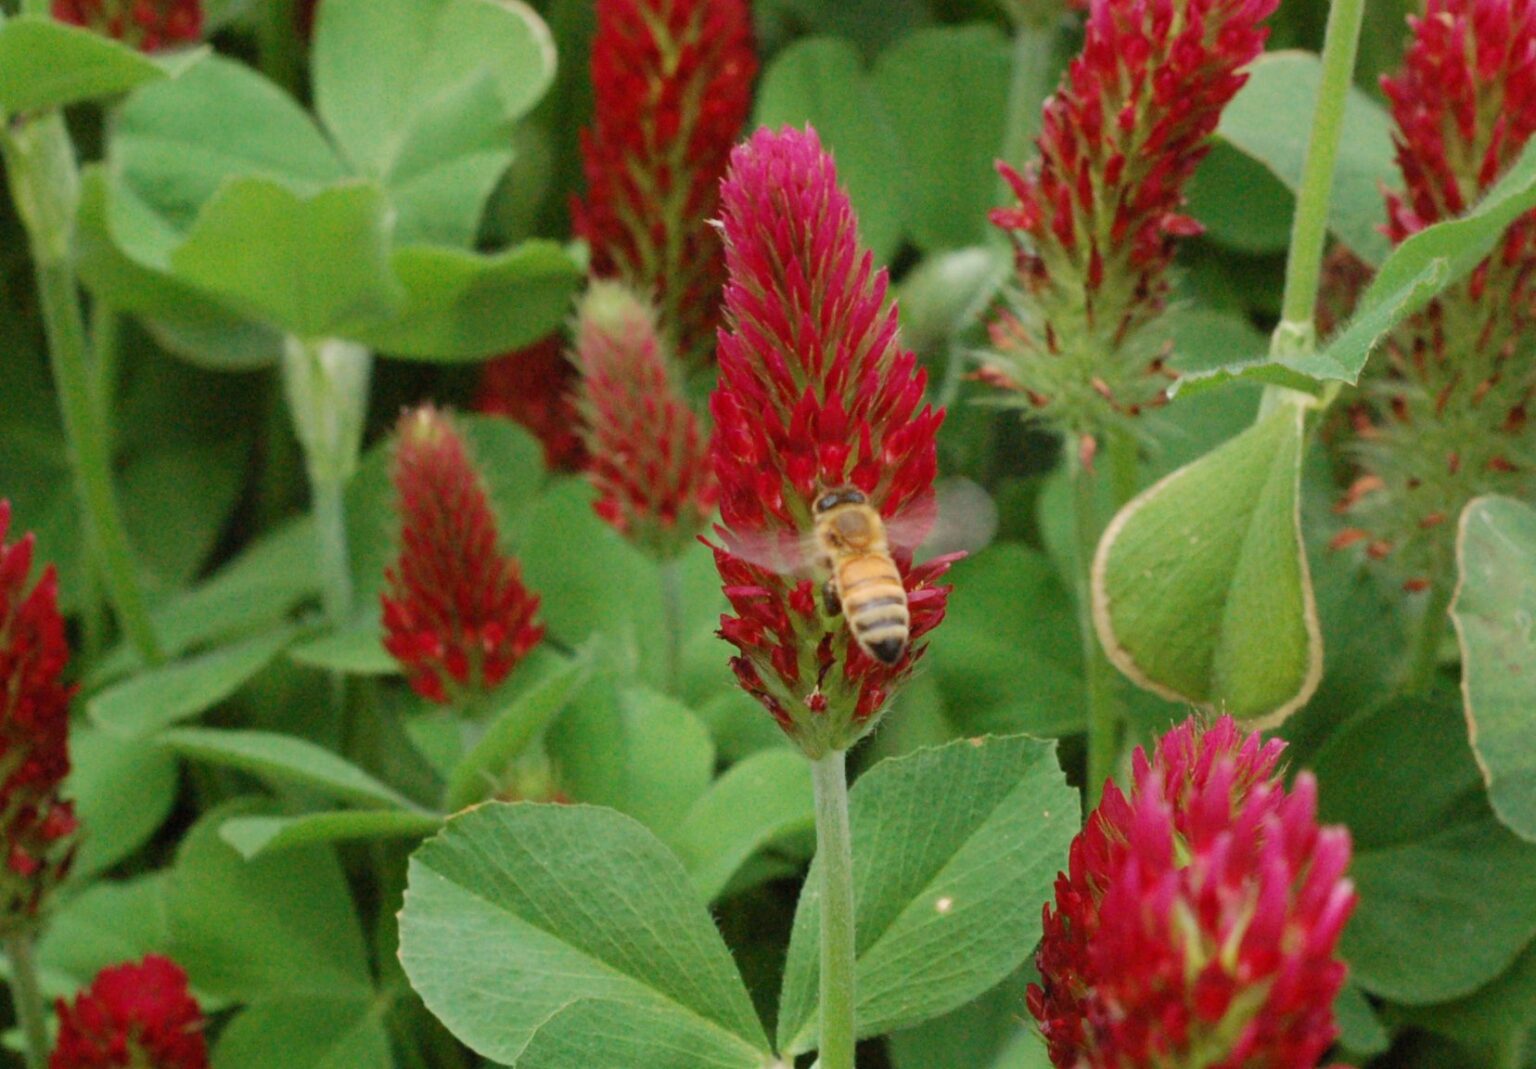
(46, 64)
(948, 292)
(822, 81)
(191, 325)
(1493, 610)
(105, 924)
(1360, 1031)
(1492, 1015)
(280, 926)
(123, 789)
(312, 1033)
(1270, 120)
(479, 773)
(461, 305)
(946, 92)
(384, 68)
(994, 1032)
(635, 749)
(160, 697)
(567, 937)
(1201, 590)
(1427, 928)
(764, 798)
(254, 836)
(356, 650)
(1343, 358)
(1240, 203)
(314, 265)
(954, 849)
(175, 143)
(286, 760)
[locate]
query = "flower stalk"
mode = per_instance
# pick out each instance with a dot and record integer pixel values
(45, 186)
(27, 997)
(834, 856)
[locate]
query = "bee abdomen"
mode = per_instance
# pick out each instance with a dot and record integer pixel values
(875, 602)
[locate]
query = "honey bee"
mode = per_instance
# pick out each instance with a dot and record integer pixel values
(861, 578)
(851, 550)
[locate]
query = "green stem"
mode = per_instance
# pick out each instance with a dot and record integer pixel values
(1104, 720)
(834, 855)
(106, 347)
(1309, 230)
(40, 161)
(28, 999)
(1424, 654)
(330, 512)
(672, 608)
(1033, 45)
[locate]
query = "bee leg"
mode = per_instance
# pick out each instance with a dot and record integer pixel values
(830, 602)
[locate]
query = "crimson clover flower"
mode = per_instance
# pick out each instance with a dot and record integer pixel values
(534, 387)
(1198, 921)
(456, 614)
(148, 25)
(672, 82)
(133, 1016)
(1442, 417)
(34, 732)
(1099, 212)
(815, 393)
(650, 457)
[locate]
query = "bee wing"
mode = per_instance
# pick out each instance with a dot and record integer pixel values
(783, 552)
(957, 516)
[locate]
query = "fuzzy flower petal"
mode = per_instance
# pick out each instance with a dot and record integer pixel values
(1098, 214)
(148, 25)
(815, 393)
(456, 614)
(133, 1016)
(1199, 919)
(38, 824)
(672, 81)
(650, 457)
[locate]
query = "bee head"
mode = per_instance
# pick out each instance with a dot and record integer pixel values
(831, 499)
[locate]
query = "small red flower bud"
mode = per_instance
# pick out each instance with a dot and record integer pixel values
(456, 614)
(1199, 919)
(650, 457)
(672, 84)
(34, 732)
(148, 25)
(133, 1016)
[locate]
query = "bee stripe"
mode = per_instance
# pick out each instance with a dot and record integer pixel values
(883, 623)
(876, 601)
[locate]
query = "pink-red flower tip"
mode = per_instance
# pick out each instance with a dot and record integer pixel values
(133, 1016)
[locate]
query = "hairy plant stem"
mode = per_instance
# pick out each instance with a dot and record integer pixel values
(44, 177)
(834, 855)
(672, 608)
(27, 997)
(1031, 82)
(1104, 719)
(1424, 654)
(1309, 228)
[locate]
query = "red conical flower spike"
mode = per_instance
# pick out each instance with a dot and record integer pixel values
(34, 733)
(535, 387)
(673, 84)
(1100, 210)
(148, 25)
(133, 1016)
(456, 614)
(815, 394)
(1199, 920)
(1444, 414)
(650, 457)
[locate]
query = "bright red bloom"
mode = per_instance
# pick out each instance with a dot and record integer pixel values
(1443, 418)
(456, 614)
(1100, 211)
(148, 25)
(133, 1016)
(650, 457)
(1199, 917)
(34, 732)
(673, 85)
(535, 387)
(815, 393)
